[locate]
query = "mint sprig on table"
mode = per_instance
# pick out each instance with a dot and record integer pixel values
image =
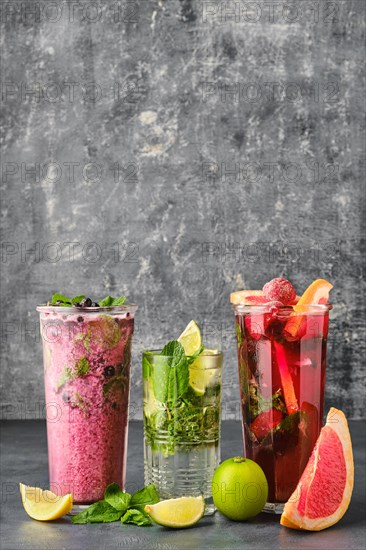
(64, 301)
(118, 505)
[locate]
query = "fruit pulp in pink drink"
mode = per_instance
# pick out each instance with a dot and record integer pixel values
(282, 379)
(87, 371)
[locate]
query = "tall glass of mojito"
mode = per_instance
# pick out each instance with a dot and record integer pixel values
(182, 413)
(282, 343)
(87, 356)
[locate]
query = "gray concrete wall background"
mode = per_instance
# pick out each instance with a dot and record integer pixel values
(186, 152)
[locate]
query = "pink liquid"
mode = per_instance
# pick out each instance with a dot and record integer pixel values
(87, 372)
(282, 380)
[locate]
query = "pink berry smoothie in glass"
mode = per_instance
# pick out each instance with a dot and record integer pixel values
(87, 355)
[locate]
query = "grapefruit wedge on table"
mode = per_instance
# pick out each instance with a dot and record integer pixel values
(324, 491)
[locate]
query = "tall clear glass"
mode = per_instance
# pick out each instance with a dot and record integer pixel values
(282, 360)
(182, 414)
(87, 355)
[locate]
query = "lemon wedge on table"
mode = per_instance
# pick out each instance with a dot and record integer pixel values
(191, 338)
(44, 505)
(177, 512)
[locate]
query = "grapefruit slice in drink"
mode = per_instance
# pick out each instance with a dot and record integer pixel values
(316, 293)
(324, 491)
(248, 297)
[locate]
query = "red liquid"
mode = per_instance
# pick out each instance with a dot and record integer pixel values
(282, 379)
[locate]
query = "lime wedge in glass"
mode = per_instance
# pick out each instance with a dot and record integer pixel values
(191, 338)
(202, 371)
(151, 405)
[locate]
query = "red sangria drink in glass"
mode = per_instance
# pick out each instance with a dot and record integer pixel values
(282, 361)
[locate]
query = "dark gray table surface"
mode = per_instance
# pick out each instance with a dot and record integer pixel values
(24, 458)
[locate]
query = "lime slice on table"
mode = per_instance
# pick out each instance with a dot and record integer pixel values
(44, 505)
(177, 512)
(202, 372)
(191, 338)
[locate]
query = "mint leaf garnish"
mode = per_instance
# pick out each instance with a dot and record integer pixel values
(170, 372)
(286, 433)
(80, 368)
(64, 301)
(146, 367)
(99, 512)
(191, 359)
(278, 402)
(78, 299)
(106, 301)
(119, 301)
(239, 335)
(146, 495)
(171, 377)
(61, 300)
(116, 497)
(80, 402)
(136, 517)
(66, 375)
(290, 422)
(109, 301)
(257, 403)
(160, 378)
(174, 349)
